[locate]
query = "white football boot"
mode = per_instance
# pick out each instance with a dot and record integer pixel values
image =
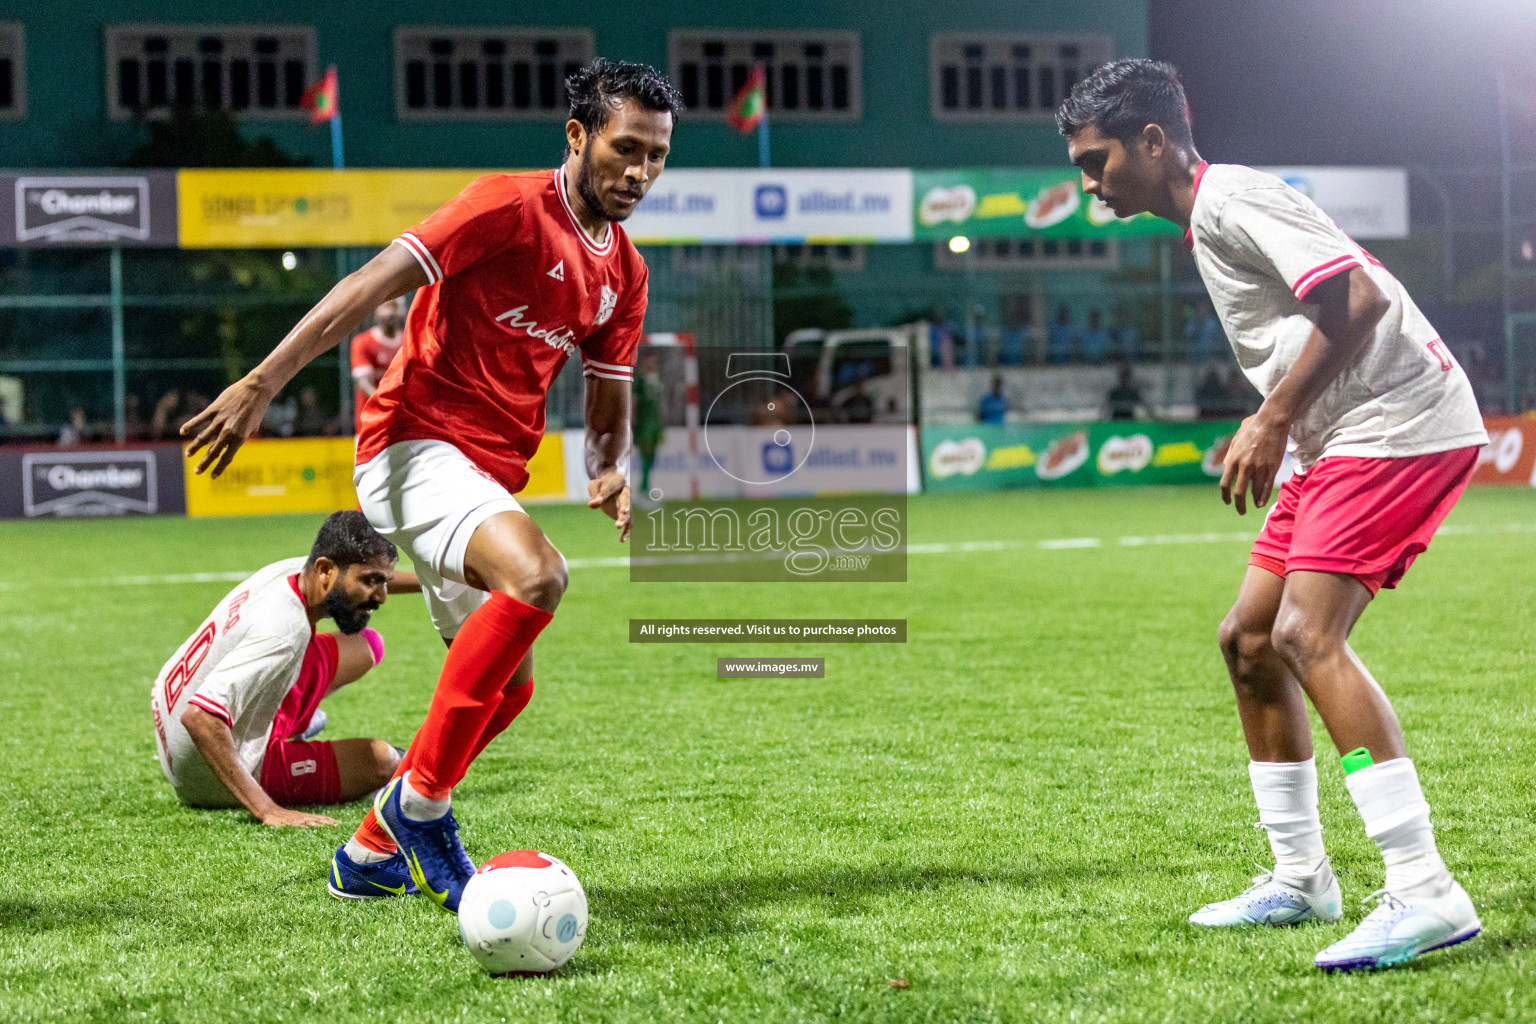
(1402, 928)
(1273, 902)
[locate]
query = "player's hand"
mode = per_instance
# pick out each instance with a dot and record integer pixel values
(281, 816)
(1253, 459)
(224, 426)
(610, 492)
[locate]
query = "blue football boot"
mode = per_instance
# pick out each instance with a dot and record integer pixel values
(353, 881)
(432, 851)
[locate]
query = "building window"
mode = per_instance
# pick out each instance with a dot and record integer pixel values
(251, 70)
(833, 257)
(1029, 254)
(486, 73)
(1006, 76)
(812, 76)
(704, 260)
(13, 71)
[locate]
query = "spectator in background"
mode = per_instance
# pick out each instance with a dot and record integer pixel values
(1203, 334)
(1127, 338)
(941, 340)
(77, 431)
(975, 353)
(1211, 401)
(1095, 340)
(1061, 337)
(134, 427)
(161, 423)
(857, 407)
(281, 418)
(1242, 397)
(648, 426)
(312, 421)
(1124, 399)
(993, 407)
(1014, 343)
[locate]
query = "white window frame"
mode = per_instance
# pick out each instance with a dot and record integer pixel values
(17, 33)
(117, 112)
(1096, 47)
(678, 37)
(983, 255)
(479, 34)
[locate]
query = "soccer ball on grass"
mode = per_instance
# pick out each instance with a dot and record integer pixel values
(523, 912)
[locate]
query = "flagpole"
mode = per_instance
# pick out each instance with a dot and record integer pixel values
(762, 137)
(1506, 239)
(344, 354)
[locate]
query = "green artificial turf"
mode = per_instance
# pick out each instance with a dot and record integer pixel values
(1009, 816)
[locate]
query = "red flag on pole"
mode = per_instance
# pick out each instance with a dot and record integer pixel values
(751, 103)
(321, 99)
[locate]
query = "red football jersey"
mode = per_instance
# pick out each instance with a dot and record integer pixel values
(371, 355)
(515, 286)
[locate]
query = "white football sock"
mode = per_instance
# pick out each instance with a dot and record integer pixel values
(1397, 818)
(360, 854)
(1286, 793)
(419, 807)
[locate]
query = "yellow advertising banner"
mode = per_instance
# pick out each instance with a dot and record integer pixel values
(243, 209)
(314, 474)
(278, 475)
(546, 471)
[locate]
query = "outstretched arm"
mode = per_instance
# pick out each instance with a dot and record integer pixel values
(223, 427)
(217, 745)
(607, 449)
(1349, 308)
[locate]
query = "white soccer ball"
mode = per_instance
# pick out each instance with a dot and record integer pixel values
(523, 911)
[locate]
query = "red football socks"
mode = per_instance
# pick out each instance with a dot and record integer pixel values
(513, 700)
(469, 706)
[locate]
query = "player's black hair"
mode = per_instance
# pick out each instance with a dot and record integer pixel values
(603, 84)
(347, 539)
(1123, 97)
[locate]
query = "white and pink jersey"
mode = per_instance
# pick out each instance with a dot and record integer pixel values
(1262, 247)
(238, 666)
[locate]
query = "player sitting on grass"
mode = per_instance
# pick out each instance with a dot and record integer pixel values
(232, 705)
(1384, 426)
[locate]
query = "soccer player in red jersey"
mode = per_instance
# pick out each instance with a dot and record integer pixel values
(373, 350)
(1383, 424)
(517, 274)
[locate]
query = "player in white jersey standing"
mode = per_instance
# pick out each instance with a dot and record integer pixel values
(231, 705)
(1383, 424)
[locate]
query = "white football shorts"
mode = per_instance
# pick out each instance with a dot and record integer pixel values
(427, 497)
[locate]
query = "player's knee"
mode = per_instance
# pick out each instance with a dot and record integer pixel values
(1300, 640)
(385, 759)
(1242, 643)
(543, 584)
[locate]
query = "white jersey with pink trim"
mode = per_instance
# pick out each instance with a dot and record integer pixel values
(238, 666)
(1262, 247)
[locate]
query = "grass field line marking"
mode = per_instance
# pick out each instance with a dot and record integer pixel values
(623, 561)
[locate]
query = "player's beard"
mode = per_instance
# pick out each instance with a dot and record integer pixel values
(349, 618)
(588, 191)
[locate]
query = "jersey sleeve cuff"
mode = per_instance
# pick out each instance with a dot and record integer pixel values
(1322, 272)
(213, 707)
(417, 248)
(608, 371)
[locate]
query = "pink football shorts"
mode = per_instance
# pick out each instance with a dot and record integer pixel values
(1364, 517)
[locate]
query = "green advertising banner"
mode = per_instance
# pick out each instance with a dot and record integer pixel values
(1019, 202)
(983, 457)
